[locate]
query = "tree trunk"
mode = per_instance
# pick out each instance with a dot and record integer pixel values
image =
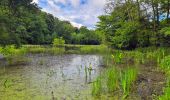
(157, 15)
(154, 16)
(168, 8)
(138, 5)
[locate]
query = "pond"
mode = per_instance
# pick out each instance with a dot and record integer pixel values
(50, 78)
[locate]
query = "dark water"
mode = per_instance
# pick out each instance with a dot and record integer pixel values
(50, 77)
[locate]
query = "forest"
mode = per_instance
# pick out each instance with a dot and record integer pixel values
(126, 25)
(125, 56)
(23, 22)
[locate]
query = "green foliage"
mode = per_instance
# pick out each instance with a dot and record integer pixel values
(165, 63)
(112, 79)
(11, 50)
(23, 22)
(165, 36)
(125, 36)
(58, 42)
(128, 26)
(85, 36)
(93, 49)
(127, 78)
(166, 31)
(97, 87)
(115, 80)
(40, 49)
(166, 95)
(117, 57)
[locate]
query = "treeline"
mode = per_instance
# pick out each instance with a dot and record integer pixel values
(129, 24)
(23, 22)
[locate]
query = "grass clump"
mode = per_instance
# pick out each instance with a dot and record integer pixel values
(93, 49)
(112, 79)
(97, 86)
(115, 80)
(127, 78)
(165, 63)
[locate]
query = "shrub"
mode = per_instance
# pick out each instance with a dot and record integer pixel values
(58, 42)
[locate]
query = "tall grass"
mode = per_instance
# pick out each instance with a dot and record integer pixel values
(165, 65)
(97, 86)
(115, 79)
(112, 79)
(68, 49)
(127, 77)
(93, 49)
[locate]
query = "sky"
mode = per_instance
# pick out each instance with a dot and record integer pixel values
(78, 12)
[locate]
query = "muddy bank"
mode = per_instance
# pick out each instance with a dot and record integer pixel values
(150, 82)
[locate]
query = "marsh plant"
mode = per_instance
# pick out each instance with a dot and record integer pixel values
(97, 86)
(93, 49)
(11, 50)
(112, 79)
(117, 57)
(116, 80)
(165, 63)
(13, 55)
(127, 78)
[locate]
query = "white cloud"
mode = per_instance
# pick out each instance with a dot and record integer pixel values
(77, 14)
(76, 24)
(35, 1)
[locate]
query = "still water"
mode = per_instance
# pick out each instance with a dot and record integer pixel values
(50, 78)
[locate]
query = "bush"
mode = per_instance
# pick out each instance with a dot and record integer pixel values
(58, 42)
(11, 50)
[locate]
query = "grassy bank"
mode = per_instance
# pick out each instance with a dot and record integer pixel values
(131, 74)
(67, 49)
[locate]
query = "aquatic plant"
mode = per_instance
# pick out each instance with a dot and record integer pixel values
(165, 63)
(11, 50)
(112, 79)
(117, 57)
(93, 49)
(127, 77)
(36, 50)
(116, 79)
(7, 83)
(97, 86)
